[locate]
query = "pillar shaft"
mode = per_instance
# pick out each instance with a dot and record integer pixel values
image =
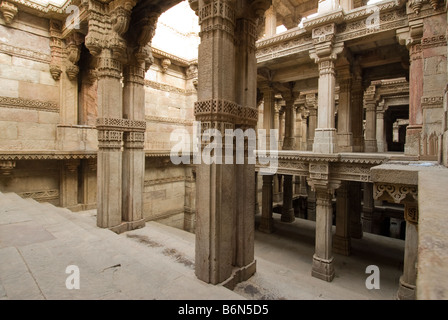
(341, 240)
(267, 222)
(368, 218)
(133, 153)
(323, 257)
(416, 67)
(289, 140)
(406, 289)
(69, 184)
(312, 119)
(355, 208)
(110, 141)
(370, 144)
(345, 136)
(380, 132)
(287, 210)
(357, 111)
(270, 22)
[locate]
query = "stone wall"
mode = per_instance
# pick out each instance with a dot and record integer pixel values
(29, 97)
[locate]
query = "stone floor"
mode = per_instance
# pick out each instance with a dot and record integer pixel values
(39, 241)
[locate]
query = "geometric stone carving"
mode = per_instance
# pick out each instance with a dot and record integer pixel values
(7, 102)
(41, 196)
(411, 213)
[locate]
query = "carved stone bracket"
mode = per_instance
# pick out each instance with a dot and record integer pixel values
(6, 167)
(9, 11)
(395, 192)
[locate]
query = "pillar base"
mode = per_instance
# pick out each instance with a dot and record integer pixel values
(325, 140)
(288, 216)
(341, 245)
(266, 225)
(370, 146)
(406, 291)
(240, 274)
(323, 269)
(128, 226)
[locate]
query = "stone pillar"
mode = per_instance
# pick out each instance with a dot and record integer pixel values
(370, 144)
(311, 102)
(270, 22)
(416, 67)
(298, 128)
(368, 219)
(289, 140)
(269, 111)
(324, 54)
(323, 267)
(226, 100)
(134, 139)
(357, 109)
(325, 6)
(190, 199)
(304, 127)
(380, 132)
(267, 222)
(406, 289)
(345, 136)
(89, 184)
(311, 205)
(341, 240)
(69, 184)
(287, 210)
(281, 128)
(354, 200)
(110, 141)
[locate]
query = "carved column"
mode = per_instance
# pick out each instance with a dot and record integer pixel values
(69, 184)
(370, 144)
(267, 222)
(190, 199)
(345, 136)
(414, 129)
(226, 100)
(268, 111)
(287, 209)
(281, 127)
(341, 240)
(134, 140)
(304, 127)
(323, 267)
(311, 205)
(324, 54)
(289, 140)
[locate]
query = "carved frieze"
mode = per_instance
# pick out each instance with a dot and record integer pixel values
(8, 102)
(41, 196)
(432, 102)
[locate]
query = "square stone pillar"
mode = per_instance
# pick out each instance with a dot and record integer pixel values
(380, 132)
(344, 135)
(287, 209)
(369, 223)
(354, 193)
(323, 267)
(357, 117)
(311, 205)
(370, 143)
(325, 53)
(312, 124)
(267, 222)
(341, 240)
(69, 184)
(407, 287)
(134, 139)
(270, 22)
(190, 199)
(289, 140)
(89, 184)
